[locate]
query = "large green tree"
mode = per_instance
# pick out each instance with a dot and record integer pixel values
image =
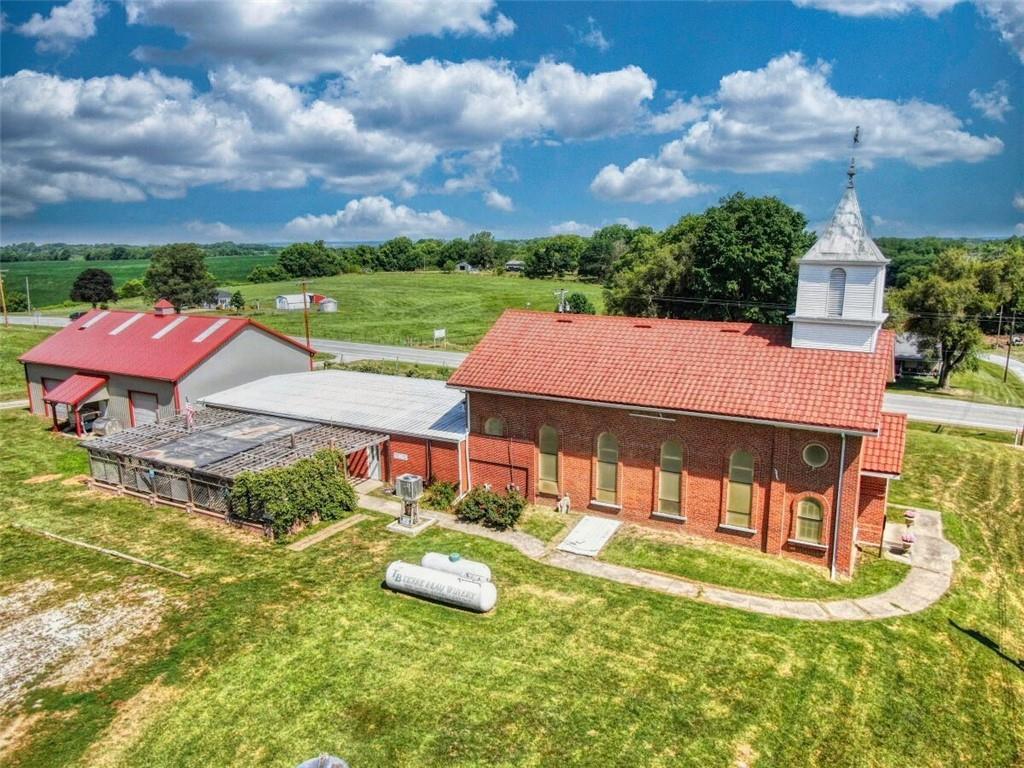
(602, 250)
(553, 256)
(308, 260)
(93, 286)
(178, 273)
(942, 308)
(482, 250)
(735, 261)
(398, 255)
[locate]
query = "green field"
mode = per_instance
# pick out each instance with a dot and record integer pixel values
(265, 657)
(50, 281)
(984, 385)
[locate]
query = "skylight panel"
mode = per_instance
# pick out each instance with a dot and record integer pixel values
(169, 327)
(126, 323)
(90, 323)
(210, 331)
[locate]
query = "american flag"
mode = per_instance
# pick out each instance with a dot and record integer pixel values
(189, 412)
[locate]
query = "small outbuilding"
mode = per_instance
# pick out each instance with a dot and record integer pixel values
(515, 265)
(221, 300)
(464, 266)
(143, 367)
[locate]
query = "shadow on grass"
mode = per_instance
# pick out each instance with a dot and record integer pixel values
(989, 643)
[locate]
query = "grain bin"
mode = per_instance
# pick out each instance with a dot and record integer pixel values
(444, 587)
(455, 563)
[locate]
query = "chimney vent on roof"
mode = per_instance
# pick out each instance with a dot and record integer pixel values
(163, 308)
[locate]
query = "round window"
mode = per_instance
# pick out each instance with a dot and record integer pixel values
(815, 455)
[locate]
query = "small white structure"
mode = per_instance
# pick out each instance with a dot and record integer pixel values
(221, 300)
(329, 305)
(293, 302)
(464, 266)
(479, 596)
(456, 564)
(841, 284)
(515, 265)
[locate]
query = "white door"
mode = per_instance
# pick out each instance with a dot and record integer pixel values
(373, 452)
(144, 408)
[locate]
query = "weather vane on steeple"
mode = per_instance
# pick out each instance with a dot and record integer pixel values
(852, 170)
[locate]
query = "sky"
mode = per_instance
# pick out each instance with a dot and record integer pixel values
(169, 120)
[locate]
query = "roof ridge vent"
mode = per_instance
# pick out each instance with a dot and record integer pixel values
(641, 325)
(563, 320)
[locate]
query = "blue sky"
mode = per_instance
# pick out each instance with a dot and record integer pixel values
(154, 121)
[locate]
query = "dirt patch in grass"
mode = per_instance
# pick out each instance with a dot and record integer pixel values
(69, 642)
(75, 480)
(40, 479)
(132, 718)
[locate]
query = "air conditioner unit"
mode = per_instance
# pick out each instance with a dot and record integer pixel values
(408, 487)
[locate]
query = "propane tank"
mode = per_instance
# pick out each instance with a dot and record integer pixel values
(455, 563)
(444, 587)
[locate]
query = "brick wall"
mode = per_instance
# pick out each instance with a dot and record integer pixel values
(781, 478)
(874, 493)
(411, 455)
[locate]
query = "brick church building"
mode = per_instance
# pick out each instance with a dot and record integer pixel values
(768, 437)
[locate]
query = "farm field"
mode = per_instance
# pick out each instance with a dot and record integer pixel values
(984, 385)
(50, 281)
(266, 656)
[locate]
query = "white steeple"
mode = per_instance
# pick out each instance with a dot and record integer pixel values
(841, 283)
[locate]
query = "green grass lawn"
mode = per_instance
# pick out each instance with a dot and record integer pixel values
(984, 385)
(50, 281)
(266, 656)
(701, 560)
(544, 522)
(14, 341)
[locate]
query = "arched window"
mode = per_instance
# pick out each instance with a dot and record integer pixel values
(547, 446)
(607, 468)
(494, 426)
(809, 515)
(741, 489)
(670, 478)
(836, 292)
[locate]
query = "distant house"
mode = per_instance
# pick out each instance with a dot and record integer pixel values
(914, 357)
(221, 300)
(142, 367)
(293, 302)
(515, 265)
(464, 266)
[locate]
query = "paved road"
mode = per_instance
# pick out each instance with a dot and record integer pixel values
(937, 410)
(959, 413)
(1016, 366)
(47, 320)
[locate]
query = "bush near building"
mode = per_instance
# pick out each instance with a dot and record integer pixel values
(493, 510)
(288, 498)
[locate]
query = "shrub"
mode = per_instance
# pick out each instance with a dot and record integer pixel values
(579, 304)
(491, 509)
(132, 289)
(440, 495)
(288, 498)
(267, 274)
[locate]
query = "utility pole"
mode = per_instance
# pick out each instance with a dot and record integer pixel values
(305, 317)
(28, 295)
(3, 298)
(1009, 344)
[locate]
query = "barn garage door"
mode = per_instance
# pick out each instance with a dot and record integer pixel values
(144, 407)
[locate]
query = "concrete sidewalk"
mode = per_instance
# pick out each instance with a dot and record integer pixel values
(930, 574)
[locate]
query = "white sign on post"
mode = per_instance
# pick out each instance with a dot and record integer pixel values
(440, 333)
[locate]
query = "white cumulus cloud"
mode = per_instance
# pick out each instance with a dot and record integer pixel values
(993, 104)
(64, 26)
(644, 181)
(1018, 201)
(571, 228)
(298, 41)
(495, 199)
(374, 217)
(212, 231)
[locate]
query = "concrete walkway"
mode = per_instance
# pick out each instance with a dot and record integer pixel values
(931, 572)
(10, 405)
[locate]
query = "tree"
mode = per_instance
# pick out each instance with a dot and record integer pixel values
(267, 274)
(132, 288)
(308, 260)
(455, 250)
(178, 273)
(93, 286)
(602, 250)
(942, 310)
(553, 256)
(482, 250)
(398, 255)
(237, 301)
(579, 304)
(428, 253)
(16, 301)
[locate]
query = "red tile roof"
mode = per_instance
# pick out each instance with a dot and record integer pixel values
(140, 343)
(884, 454)
(74, 389)
(741, 370)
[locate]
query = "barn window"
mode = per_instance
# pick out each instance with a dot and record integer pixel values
(494, 426)
(547, 445)
(670, 478)
(607, 468)
(741, 489)
(809, 514)
(815, 455)
(836, 292)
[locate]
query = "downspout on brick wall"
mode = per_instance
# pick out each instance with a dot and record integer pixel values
(838, 505)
